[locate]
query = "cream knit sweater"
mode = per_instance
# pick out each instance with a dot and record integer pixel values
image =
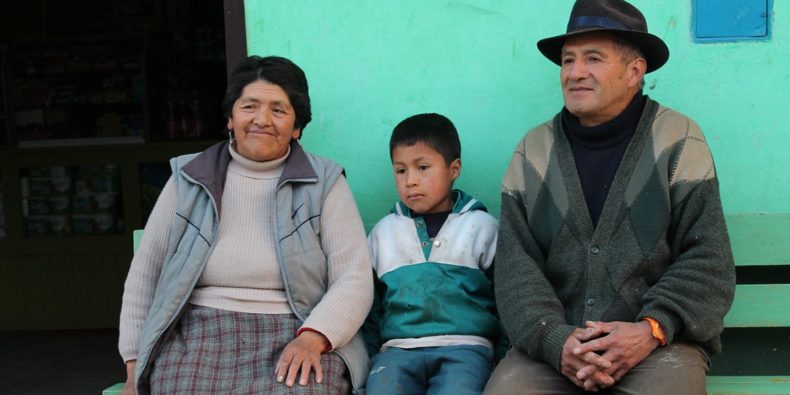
(242, 273)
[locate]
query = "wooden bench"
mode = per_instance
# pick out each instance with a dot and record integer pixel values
(759, 241)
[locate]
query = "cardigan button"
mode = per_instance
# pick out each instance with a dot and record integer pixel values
(594, 249)
(437, 243)
(425, 244)
(590, 301)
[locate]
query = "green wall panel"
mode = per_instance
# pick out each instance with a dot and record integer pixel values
(371, 64)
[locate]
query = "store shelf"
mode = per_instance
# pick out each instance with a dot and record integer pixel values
(58, 182)
(71, 276)
(78, 89)
(78, 142)
(2, 213)
(4, 128)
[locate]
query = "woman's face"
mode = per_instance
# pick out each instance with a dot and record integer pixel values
(263, 122)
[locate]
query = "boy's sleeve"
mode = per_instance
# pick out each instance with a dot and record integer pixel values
(502, 344)
(371, 329)
(487, 237)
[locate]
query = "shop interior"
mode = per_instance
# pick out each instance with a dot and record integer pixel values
(95, 97)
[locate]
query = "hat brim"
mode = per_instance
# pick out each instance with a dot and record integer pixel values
(653, 48)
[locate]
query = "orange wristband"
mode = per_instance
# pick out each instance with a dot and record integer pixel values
(658, 333)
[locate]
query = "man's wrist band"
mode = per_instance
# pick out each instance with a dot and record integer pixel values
(658, 333)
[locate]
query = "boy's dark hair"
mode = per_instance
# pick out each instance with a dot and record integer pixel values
(434, 130)
(276, 70)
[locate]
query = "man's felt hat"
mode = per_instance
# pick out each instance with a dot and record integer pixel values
(613, 16)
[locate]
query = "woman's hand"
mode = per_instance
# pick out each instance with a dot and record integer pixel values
(129, 385)
(302, 353)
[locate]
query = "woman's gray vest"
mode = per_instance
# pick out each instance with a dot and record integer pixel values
(200, 181)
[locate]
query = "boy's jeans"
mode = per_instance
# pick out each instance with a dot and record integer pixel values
(451, 370)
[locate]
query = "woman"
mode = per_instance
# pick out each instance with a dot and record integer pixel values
(252, 275)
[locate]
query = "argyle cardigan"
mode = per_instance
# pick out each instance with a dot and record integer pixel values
(660, 248)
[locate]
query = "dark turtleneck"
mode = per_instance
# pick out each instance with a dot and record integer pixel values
(435, 221)
(598, 150)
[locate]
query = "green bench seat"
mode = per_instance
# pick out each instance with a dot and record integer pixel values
(721, 385)
(114, 390)
(758, 240)
(760, 306)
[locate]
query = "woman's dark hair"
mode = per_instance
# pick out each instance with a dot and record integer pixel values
(276, 70)
(434, 130)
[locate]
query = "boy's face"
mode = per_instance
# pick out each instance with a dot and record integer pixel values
(423, 178)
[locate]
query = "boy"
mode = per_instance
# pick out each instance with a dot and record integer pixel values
(434, 314)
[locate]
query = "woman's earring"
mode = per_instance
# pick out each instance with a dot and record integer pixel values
(231, 136)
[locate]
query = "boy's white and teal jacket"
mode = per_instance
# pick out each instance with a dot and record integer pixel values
(433, 292)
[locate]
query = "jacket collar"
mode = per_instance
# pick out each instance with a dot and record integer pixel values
(210, 168)
(463, 203)
(297, 167)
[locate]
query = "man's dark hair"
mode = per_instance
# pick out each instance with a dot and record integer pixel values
(434, 130)
(276, 70)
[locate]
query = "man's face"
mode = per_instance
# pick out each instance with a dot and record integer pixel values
(597, 83)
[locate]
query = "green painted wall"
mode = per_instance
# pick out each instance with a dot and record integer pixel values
(371, 64)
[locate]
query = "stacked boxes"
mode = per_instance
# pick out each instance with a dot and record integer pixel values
(80, 200)
(81, 90)
(45, 200)
(95, 205)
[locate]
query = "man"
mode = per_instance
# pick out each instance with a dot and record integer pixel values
(614, 269)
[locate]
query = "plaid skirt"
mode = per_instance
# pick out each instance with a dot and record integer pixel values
(214, 351)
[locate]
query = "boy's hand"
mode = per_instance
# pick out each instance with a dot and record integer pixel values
(302, 353)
